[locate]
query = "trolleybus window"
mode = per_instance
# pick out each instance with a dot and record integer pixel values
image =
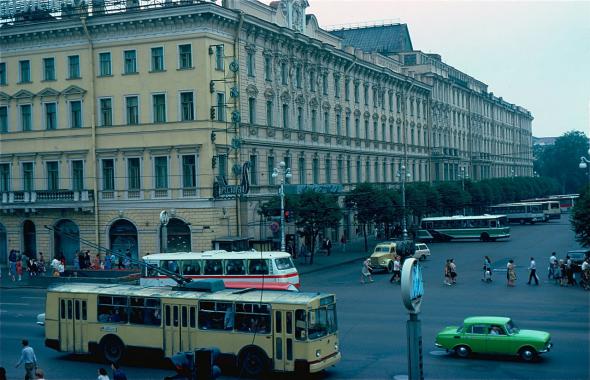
(284, 263)
(300, 325)
(213, 267)
(145, 311)
(112, 309)
(322, 321)
(258, 266)
(171, 265)
(253, 317)
(235, 267)
(212, 315)
(191, 267)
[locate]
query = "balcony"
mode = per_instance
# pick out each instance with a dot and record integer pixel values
(31, 201)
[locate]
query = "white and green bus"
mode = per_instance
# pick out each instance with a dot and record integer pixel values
(530, 212)
(459, 227)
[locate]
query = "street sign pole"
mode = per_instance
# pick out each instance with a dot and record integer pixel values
(412, 290)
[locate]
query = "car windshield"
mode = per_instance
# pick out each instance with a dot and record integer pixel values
(511, 327)
(381, 249)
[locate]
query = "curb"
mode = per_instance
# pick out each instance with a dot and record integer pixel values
(340, 263)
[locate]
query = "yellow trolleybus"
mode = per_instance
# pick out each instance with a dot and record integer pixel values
(258, 330)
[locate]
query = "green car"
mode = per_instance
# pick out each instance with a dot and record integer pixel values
(493, 335)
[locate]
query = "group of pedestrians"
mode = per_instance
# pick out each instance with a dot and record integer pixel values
(18, 263)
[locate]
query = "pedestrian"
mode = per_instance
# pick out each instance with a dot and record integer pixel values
(87, 260)
(81, 260)
(118, 373)
(97, 261)
(77, 261)
(453, 271)
(29, 359)
(41, 264)
(569, 270)
(487, 269)
(397, 273)
(127, 259)
(102, 374)
(447, 273)
(562, 270)
(328, 246)
(366, 271)
(552, 266)
(533, 272)
(39, 374)
(510, 273)
(55, 263)
(107, 261)
(19, 269)
(12, 264)
(343, 243)
(113, 260)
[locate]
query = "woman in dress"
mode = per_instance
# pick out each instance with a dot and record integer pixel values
(366, 271)
(511, 273)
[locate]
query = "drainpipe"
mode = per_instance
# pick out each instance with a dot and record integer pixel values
(237, 105)
(93, 128)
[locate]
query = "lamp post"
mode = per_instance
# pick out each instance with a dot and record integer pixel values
(584, 164)
(403, 175)
(463, 175)
(282, 172)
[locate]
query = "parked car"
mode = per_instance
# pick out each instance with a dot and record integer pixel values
(493, 335)
(422, 251)
(577, 256)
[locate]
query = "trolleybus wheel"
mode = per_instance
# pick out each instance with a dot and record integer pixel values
(112, 348)
(253, 362)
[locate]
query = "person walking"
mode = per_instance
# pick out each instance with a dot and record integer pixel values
(102, 374)
(366, 271)
(76, 261)
(447, 273)
(533, 272)
(39, 374)
(552, 266)
(328, 247)
(29, 359)
(19, 269)
(487, 269)
(12, 264)
(343, 243)
(118, 373)
(510, 273)
(397, 273)
(453, 271)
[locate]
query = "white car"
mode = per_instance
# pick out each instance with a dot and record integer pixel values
(41, 319)
(422, 251)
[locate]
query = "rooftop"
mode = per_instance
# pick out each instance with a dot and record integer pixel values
(384, 39)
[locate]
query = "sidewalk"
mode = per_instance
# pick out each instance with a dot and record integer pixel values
(42, 282)
(355, 251)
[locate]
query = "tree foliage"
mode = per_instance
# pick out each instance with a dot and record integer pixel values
(581, 218)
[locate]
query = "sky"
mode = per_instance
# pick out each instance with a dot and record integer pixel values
(535, 54)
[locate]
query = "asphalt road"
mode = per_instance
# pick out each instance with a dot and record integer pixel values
(372, 318)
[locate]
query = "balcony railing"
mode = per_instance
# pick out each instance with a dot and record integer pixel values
(47, 199)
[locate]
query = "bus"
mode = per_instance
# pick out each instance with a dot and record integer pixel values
(242, 266)
(566, 201)
(520, 212)
(458, 227)
(257, 331)
(551, 209)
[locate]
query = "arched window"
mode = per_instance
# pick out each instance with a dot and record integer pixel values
(179, 236)
(66, 239)
(123, 238)
(29, 238)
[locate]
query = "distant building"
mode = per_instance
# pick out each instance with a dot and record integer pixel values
(544, 141)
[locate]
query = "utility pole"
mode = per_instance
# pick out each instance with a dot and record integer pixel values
(284, 173)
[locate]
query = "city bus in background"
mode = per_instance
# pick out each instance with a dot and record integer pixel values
(459, 227)
(566, 201)
(520, 212)
(551, 209)
(258, 331)
(242, 266)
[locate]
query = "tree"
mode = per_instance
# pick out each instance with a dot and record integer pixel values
(370, 204)
(314, 211)
(452, 197)
(561, 160)
(581, 218)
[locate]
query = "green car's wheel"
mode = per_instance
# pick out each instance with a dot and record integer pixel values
(462, 351)
(527, 354)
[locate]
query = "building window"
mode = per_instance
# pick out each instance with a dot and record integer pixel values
(347, 125)
(132, 110)
(347, 90)
(316, 170)
(300, 118)
(302, 172)
(326, 122)
(391, 101)
(25, 117)
(269, 113)
(340, 170)
(250, 68)
(222, 165)
(348, 171)
(161, 172)
(77, 175)
(298, 78)
(285, 116)
(356, 92)
(48, 68)
(254, 169)
(252, 110)
(270, 165)
(50, 116)
(73, 67)
(268, 68)
(377, 172)
(130, 59)
(287, 161)
(104, 60)
(398, 103)
(185, 56)
(284, 73)
(5, 177)
(383, 133)
(219, 58)
(312, 81)
(325, 84)
(189, 171)
(52, 175)
(366, 129)
(314, 120)
(133, 173)
(3, 119)
(28, 176)
(2, 73)
(76, 114)
(357, 127)
(390, 132)
(338, 124)
(158, 59)
(187, 106)
(375, 136)
(358, 172)
(106, 112)
(399, 135)
(220, 106)
(328, 170)
(337, 86)
(159, 108)
(368, 171)
(24, 71)
(366, 94)
(108, 174)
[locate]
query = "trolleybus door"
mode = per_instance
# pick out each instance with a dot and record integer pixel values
(176, 332)
(283, 338)
(73, 316)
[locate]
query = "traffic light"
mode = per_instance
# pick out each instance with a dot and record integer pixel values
(287, 216)
(212, 113)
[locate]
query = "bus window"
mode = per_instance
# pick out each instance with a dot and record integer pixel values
(191, 267)
(213, 267)
(322, 321)
(289, 322)
(112, 309)
(167, 315)
(175, 316)
(493, 224)
(184, 317)
(253, 318)
(84, 312)
(145, 311)
(171, 265)
(212, 315)
(62, 309)
(192, 317)
(151, 271)
(235, 267)
(257, 266)
(284, 263)
(300, 325)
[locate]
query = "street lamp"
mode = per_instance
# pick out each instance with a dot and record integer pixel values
(403, 175)
(584, 164)
(282, 172)
(463, 175)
